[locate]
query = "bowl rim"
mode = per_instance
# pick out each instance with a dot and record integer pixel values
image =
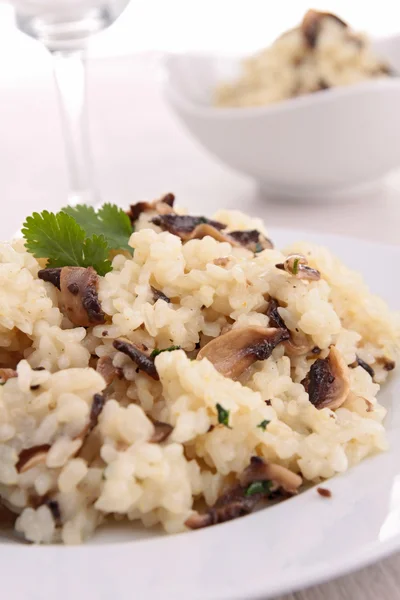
(371, 86)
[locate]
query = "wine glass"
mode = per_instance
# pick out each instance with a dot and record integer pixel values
(64, 27)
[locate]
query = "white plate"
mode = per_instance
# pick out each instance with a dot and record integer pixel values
(297, 543)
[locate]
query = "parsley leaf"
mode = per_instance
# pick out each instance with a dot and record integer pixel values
(110, 221)
(157, 351)
(223, 416)
(60, 239)
(258, 487)
(263, 424)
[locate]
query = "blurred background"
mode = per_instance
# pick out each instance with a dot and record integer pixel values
(139, 149)
(227, 26)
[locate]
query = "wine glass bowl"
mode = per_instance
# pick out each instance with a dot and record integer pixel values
(66, 24)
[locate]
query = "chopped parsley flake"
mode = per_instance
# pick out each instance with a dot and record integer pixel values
(158, 351)
(263, 424)
(223, 416)
(296, 266)
(258, 487)
(258, 248)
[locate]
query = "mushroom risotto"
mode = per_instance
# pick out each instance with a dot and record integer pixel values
(323, 52)
(177, 369)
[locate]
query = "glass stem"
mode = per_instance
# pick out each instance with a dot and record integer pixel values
(70, 76)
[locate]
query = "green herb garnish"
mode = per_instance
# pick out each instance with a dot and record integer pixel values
(78, 236)
(263, 424)
(60, 239)
(223, 416)
(258, 487)
(296, 266)
(158, 351)
(258, 248)
(109, 220)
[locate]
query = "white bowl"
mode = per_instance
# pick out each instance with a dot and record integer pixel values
(326, 144)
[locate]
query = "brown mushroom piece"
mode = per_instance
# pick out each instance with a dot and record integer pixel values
(159, 295)
(162, 206)
(251, 239)
(235, 351)
(241, 499)
(162, 431)
(361, 363)
(282, 478)
(231, 505)
(98, 403)
(196, 228)
(298, 344)
(32, 457)
(185, 226)
(107, 370)
(79, 299)
(297, 265)
(144, 361)
(311, 25)
(6, 374)
(327, 382)
(387, 363)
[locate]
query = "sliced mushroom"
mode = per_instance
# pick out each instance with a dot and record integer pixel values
(162, 206)
(196, 228)
(351, 397)
(185, 226)
(107, 370)
(360, 363)
(6, 374)
(51, 276)
(98, 403)
(231, 505)
(251, 239)
(235, 351)
(79, 299)
(297, 265)
(311, 25)
(159, 295)
(144, 361)
(237, 501)
(387, 363)
(32, 457)
(259, 470)
(161, 432)
(298, 344)
(327, 382)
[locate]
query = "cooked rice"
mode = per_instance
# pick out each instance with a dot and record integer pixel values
(116, 470)
(290, 67)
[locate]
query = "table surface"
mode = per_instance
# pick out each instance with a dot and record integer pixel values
(140, 151)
